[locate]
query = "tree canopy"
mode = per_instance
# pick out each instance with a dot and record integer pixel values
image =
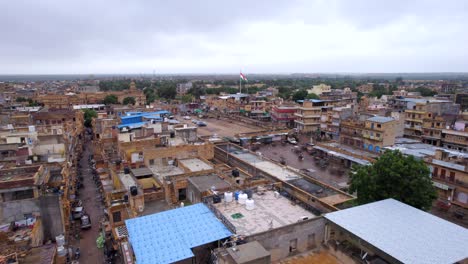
(111, 99)
(299, 95)
(129, 100)
(425, 91)
(312, 96)
(89, 114)
(397, 176)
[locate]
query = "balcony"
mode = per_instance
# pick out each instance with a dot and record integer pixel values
(415, 111)
(416, 120)
(308, 123)
(413, 127)
(375, 138)
(307, 115)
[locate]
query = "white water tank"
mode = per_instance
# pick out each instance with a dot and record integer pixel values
(61, 251)
(249, 204)
(60, 240)
(242, 198)
(276, 194)
(228, 197)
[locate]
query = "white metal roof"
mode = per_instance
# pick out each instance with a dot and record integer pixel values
(404, 232)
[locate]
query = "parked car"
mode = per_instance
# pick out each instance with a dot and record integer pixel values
(292, 140)
(201, 124)
(78, 212)
(187, 117)
(85, 222)
(194, 121)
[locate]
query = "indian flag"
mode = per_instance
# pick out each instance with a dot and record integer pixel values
(243, 78)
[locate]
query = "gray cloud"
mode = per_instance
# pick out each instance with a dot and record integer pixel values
(222, 36)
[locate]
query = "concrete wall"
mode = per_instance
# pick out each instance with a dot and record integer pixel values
(49, 149)
(309, 235)
(15, 210)
(205, 151)
(51, 216)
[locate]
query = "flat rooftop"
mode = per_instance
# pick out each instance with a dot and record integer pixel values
(195, 164)
(166, 171)
(205, 182)
(405, 233)
(18, 177)
(269, 167)
(127, 180)
(140, 172)
(421, 150)
(270, 212)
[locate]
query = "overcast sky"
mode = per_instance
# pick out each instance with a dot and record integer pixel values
(223, 36)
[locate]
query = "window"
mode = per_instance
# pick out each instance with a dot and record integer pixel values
(311, 244)
(293, 245)
(377, 134)
(116, 217)
(151, 161)
(435, 172)
(379, 125)
(442, 174)
(452, 176)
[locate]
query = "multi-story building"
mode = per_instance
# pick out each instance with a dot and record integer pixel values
(462, 100)
(379, 132)
(450, 177)
(331, 120)
(351, 132)
(432, 129)
(183, 88)
(415, 114)
(371, 134)
(308, 115)
(455, 139)
(284, 115)
(68, 100)
(366, 88)
(319, 89)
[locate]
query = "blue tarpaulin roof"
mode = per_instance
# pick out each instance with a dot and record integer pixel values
(169, 236)
(133, 125)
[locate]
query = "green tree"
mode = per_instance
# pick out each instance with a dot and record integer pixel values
(167, 91)
(196, 91)
(397, 176)
(299, 95)
(89, 114)
(32, 103)
(129, 100)
(150, 95)
(312, 96)
(111, 99)
(21, 99)
(186, 98)
(425, 91)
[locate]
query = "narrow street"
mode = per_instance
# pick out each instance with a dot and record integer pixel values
(88, 195)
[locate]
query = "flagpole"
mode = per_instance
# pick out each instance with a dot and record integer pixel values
(240, 83)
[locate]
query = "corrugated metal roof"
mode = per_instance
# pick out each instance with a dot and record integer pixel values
(169, 236)
(449, 164)
(380, 119)
(404, 232)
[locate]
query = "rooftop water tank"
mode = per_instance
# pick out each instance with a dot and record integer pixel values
(61, 251)
(242, 198)
(60, 240)
(249, 204)
(228, 197)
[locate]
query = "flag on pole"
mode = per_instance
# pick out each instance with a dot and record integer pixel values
(243, 78)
